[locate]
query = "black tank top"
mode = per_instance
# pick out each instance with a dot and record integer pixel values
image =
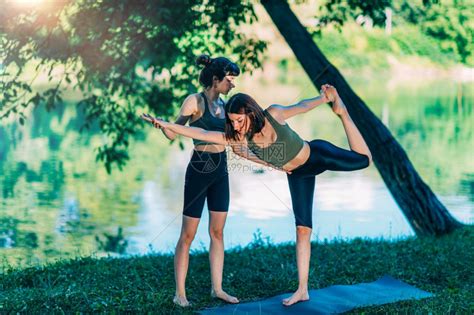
(208, 122)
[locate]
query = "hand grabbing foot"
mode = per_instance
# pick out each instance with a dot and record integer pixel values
(338, 106)
(224, 296)
(298, 296)
(330, 92)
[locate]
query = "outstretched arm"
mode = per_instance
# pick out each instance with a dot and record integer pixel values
(303, 106)
(190, 132)
(181, 120)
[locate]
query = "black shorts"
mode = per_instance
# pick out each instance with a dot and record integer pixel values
(206, 177)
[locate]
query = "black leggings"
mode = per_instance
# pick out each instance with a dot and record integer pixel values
(324, 156)
(206, 177)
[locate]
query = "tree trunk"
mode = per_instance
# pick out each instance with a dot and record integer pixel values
(422, 209)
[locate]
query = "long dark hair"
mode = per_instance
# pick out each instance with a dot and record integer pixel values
(241, 103)
(215, 67)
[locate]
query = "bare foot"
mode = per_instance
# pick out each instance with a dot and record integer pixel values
(298, 296)
(181, 301)
(225, 297)
(338, 107)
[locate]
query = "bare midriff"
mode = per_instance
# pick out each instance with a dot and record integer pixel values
(299, 159)
(211, 148)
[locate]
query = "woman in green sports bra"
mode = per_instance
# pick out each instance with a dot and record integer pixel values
(270, 141)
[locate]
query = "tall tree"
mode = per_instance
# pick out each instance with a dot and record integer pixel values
(425, 213)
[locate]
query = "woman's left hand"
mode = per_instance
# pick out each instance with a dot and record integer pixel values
(330, 92)
(324, 96)
(157, 122)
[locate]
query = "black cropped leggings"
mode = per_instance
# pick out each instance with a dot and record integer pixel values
(324, 156)
(206, 178)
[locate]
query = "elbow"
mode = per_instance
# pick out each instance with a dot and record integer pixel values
(363, 160)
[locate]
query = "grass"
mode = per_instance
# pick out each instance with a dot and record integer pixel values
(441, 265)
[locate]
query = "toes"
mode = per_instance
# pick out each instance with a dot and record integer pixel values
(226, 297)
(287, 303)
(180, 302)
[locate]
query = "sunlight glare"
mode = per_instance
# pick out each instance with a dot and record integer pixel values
(28, 2)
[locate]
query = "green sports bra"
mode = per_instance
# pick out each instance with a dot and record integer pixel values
(287, 145)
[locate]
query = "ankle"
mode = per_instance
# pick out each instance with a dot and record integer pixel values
(216, 291)
(344, 115)
(302, 289)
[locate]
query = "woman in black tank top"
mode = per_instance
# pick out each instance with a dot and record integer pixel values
(206, 175)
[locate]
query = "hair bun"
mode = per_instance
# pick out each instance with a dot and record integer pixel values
(204, 60)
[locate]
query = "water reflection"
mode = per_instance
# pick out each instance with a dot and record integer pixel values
(57, 202)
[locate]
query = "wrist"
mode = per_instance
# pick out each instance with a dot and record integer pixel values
(322, 99)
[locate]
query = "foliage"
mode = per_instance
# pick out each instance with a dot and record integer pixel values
(449, 23)
(453, 26)
(354, 50)
(124, 56)
(337, 12)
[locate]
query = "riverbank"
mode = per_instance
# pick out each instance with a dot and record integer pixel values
(438, 265)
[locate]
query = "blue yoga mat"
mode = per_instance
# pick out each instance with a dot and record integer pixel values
(331, 300)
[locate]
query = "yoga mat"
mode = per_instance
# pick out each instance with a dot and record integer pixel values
(331, 300)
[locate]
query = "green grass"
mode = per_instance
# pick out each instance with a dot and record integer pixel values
(442, 266)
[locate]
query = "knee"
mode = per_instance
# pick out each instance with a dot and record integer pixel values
(362, 161)
(186, 238)
(367, 161)
(216, 234)
(303, 231)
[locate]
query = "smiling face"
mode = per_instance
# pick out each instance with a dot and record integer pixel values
(240, 123)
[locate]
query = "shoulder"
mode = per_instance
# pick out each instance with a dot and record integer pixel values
(192, 103)
(192, 100)
(276, 111)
